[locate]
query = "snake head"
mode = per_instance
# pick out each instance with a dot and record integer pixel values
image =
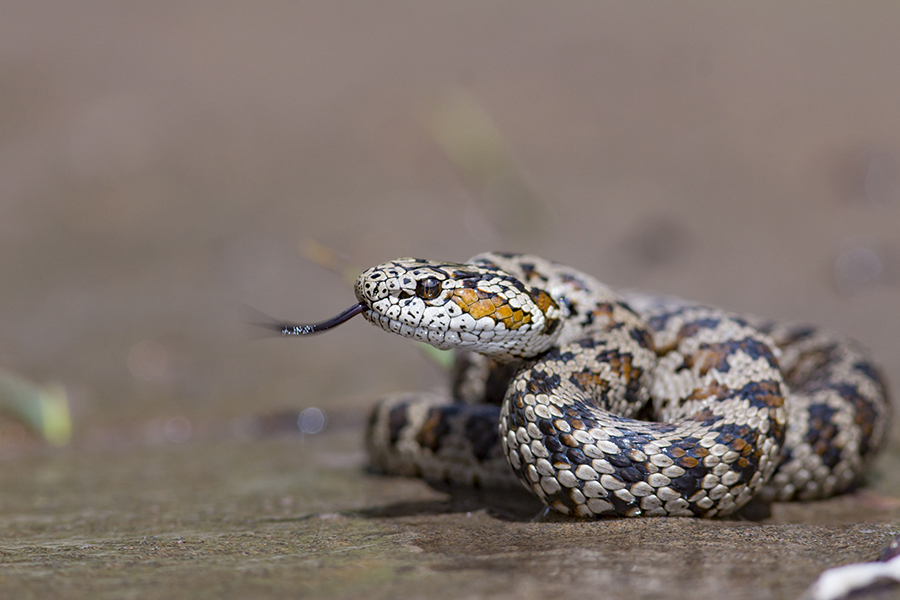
(471, 307)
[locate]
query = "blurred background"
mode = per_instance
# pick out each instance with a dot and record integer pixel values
(164, 164)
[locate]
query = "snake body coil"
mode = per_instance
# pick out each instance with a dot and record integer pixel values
(607, 404)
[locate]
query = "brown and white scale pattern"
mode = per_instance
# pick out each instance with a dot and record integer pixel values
(602, 404)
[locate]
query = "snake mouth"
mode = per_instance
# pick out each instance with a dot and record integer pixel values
(311, 328)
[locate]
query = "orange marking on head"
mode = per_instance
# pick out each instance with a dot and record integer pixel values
(482, 308)
(503, 312)
(543, 300)
(516, 319)
(464, 297)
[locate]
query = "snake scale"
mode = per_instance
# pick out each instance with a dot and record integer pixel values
(608, 404)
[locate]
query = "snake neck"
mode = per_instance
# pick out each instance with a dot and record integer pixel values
(587, 304)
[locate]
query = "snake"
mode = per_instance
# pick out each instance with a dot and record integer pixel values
(605, 403)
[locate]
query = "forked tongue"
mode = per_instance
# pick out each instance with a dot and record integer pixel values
(311, 328)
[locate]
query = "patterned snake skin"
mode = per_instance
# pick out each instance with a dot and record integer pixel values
(606, 404)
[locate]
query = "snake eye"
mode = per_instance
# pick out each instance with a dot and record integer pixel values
(428, 288)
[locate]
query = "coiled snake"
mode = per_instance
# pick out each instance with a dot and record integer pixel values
(607, 404)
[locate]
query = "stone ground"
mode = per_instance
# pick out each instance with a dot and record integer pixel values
(165, 166)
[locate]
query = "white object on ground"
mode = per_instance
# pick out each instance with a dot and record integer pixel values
(839, 582)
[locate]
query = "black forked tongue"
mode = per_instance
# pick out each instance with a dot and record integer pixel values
(311, 328)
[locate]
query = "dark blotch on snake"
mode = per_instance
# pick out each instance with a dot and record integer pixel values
(707, 323)
(559, 460)
(568, 440)
(685, 484)
(396, 422)
(577, 457)
(436, 427)
(589, 343)
(620, 506)
(642, 337)
(869, 370)
(865, 412)
(542, 382)
(553, 444)
(497, 383)
(798, 334)
(617, 460)
(481, 431)
(546, 427)
(517, 418)
(631, 475)
(551, 326)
